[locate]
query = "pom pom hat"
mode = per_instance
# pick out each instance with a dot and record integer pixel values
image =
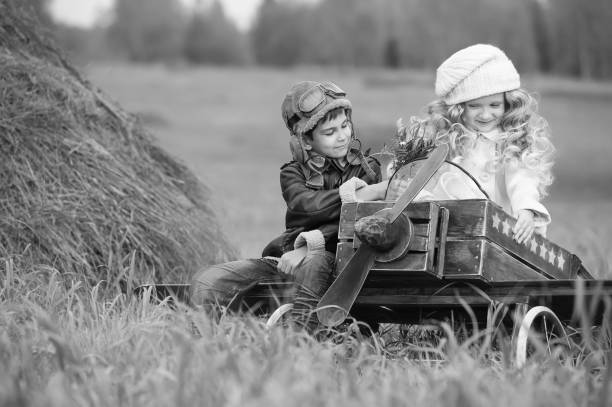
(473, 72)
(308, 102)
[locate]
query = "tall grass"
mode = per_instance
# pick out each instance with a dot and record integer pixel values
(64, 342)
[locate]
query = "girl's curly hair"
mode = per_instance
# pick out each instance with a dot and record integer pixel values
(525, 141)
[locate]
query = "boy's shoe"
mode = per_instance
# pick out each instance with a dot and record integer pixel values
(300, 313)
(303, 313)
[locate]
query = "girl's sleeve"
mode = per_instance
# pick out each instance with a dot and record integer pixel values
(522, 188)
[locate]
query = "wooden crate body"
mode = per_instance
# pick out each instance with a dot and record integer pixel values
(476, 244)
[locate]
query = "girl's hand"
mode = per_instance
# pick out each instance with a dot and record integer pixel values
(373, 192)
(525, 225)
(397, 189)
(290, 261)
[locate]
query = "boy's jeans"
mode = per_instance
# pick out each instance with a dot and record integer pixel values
(221, 283)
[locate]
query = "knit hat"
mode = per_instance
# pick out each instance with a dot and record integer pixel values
(308, 102)
(473, 72)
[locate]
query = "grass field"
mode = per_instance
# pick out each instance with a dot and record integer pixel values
(226, 125)
(66, 343)
(64, 346)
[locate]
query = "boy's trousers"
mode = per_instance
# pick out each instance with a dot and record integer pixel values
(223, 283)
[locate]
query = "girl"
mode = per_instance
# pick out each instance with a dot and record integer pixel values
(494, 133)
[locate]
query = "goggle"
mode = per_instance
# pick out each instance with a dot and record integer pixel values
(314, 97)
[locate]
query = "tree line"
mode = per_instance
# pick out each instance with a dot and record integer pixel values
(567, 37)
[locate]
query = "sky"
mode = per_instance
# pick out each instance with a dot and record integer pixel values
(84, 13)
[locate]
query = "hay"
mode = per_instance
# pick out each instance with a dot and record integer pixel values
(82, 186)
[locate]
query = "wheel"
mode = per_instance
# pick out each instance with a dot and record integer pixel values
(541, 333)
(365, 328)
(278, 314)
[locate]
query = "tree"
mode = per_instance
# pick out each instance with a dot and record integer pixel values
(541, 33)
(429, 31)
(278, 34)
(581, 33)
(148, 30)
(346, 32)
(392, 57)
(212, 38)
(565, 36)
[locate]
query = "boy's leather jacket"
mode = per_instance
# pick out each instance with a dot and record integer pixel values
(313, 200)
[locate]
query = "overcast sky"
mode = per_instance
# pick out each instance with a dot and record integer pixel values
(85, 12)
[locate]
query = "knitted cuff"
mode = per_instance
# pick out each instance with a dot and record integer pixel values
(541, 218)
(347, 190)
(313, 239)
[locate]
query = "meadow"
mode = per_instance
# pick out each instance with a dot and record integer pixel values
(225, 124)
(64, 342)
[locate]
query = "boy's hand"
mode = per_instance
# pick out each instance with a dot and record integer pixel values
(290, 261)
(373, 192)
(525, 225)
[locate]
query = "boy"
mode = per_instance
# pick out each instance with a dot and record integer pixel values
(325, 172)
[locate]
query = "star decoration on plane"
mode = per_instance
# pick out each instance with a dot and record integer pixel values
(496, 221)
(552, 256)
(560, 260)
(506, 227)
(543, 251)
(534, 245)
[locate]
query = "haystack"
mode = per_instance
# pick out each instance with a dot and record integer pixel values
(83, 188)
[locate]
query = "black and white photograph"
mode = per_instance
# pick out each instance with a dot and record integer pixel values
(305, 203)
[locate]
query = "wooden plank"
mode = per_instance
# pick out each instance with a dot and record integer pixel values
(431, 239)
(439, 251)
(344, 251)
(346, 228)
(554, 287)
(417, 210)
(400, 278)
(422, 229)
(417, 244)
(480, 258)
(467, 217)
(463, 258)
(496, 290)
(436, 300)
(412, 262)
(499, 265)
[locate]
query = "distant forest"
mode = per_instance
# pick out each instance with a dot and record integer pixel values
(565, 37)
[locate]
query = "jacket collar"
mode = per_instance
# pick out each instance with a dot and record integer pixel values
(317, 164)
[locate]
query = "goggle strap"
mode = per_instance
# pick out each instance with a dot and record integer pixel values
(332, 89)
